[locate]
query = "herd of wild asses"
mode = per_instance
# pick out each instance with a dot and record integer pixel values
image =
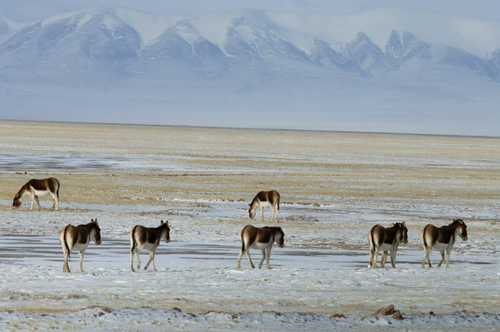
(381, 239)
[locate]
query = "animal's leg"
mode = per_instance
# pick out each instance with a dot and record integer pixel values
(132, 260)
(375, 254)
(249, 259)
(32, 202)
(429, 258)
(138, 260)
(277, 212)
(370, 262)
(56, 201)
(263, 257)
(151, 259)
(442, 259)
(425, 255)
(268, 256)
(261, 213)
(81, 260)
(393, 258)
(66, 266)
(38, 202)
(384, 259)
(272, 213)
(239, 259)
(448, 252)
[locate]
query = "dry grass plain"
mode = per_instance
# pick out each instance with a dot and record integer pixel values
(401, 176)
(334, 186)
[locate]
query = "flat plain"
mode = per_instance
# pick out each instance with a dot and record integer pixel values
(334, 187)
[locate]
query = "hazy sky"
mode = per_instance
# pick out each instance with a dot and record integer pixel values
(27, 10)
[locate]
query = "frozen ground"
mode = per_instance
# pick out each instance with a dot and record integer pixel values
(334, 188)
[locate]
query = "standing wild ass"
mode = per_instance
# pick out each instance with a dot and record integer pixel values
(149, 239)
(266, 198)
(260, 238)
(385, 239)
(78, 238)
(441, 239)
(35, 188)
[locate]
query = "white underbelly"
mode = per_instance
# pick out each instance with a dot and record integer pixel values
(385, 247)
(147, 246)
(80, 246)
(440, 246)
(41, 192)
(265, 204)
(257, 245)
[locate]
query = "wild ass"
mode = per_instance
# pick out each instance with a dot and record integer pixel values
(385, 239)
(78, 238)
(35, 188)
(260, 238)
(149, 239)
(265, 198)
(441, 239)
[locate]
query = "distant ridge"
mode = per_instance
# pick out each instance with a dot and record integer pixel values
(384, 70)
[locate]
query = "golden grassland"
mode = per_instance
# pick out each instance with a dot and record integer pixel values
(207, 163)
(359, 170)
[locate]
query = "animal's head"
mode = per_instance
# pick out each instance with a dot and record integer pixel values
(402, 232)
(462, 229)
(97, 231)
(279, 237)
(166, 234)
(17, 200)
(251, 212)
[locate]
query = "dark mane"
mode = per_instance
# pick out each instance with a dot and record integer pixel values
(162, 226)
(273, 229)
(23, 187)
(254, 199)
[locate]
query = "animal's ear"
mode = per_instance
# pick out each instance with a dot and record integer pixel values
(161, 222)
(95, 221)
(166, 222)
(91, 220)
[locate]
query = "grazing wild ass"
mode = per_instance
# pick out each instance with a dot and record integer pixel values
(385, 239)
(441, 239)
(149, 239)
(78, 238)
(265, 198)
(35, 188)
(260, 238)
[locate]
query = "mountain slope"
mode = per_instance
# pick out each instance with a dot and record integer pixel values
(300, 70)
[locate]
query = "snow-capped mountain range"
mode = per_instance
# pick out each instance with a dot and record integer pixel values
(368, 71)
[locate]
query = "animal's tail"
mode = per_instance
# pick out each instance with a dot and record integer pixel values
(371, 239)
(423, 237)
(278, 205)
(242, 241)
(133, 243)
(62, 238)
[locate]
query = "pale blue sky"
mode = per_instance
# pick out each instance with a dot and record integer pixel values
(27, 10)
